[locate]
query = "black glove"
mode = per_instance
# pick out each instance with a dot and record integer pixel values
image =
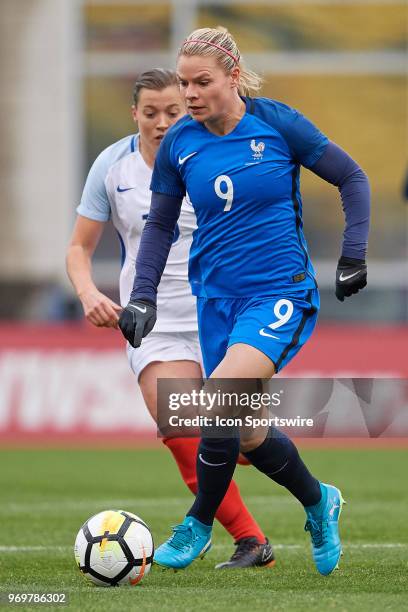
(351, 276)
(136, 321)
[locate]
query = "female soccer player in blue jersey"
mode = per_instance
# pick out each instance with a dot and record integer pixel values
(117, 188)
(239, 159)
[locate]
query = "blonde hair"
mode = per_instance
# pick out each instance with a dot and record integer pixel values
(219, 43)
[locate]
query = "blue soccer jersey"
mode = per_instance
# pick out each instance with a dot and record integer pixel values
(244, 187)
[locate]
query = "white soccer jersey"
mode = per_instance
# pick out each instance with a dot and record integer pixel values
(117, 187)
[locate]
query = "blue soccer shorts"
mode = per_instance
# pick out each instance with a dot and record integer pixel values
(276, 325)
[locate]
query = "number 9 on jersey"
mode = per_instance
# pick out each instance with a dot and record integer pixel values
(225, 194)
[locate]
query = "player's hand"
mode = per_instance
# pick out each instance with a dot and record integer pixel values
(351, 276)
(100, 310)
(136, 321)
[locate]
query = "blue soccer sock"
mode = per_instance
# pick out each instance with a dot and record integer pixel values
(216, 461)
(278, 458)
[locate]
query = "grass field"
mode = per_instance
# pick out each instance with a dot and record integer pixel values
(47, 495)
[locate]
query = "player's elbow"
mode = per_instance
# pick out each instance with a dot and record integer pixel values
(70, 257)
(361, 175)
(356, 179)
(75, 255)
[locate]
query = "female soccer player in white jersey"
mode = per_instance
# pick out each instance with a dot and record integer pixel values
(239, 159)
(117, 188)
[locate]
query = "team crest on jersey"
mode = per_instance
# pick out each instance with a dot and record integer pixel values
(257, 149)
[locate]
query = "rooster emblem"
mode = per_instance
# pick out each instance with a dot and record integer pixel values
(258, 149)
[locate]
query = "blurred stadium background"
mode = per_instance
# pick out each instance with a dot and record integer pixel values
(67, 69)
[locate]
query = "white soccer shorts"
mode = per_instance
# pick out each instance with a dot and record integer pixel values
(164, 346)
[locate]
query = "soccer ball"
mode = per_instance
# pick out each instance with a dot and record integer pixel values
(114, 547)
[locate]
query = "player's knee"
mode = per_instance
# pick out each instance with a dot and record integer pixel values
(219, 450)
(249, 444)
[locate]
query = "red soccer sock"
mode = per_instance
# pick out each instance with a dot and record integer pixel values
(232, 512)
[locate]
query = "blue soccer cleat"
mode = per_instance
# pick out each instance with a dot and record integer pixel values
(190, 540)
(323, 525)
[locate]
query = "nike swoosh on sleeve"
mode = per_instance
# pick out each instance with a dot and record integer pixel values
(120, 189)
